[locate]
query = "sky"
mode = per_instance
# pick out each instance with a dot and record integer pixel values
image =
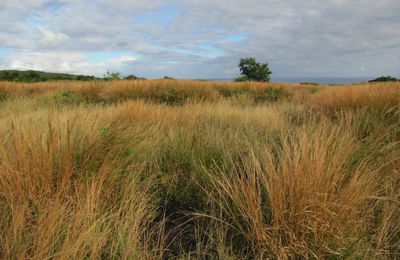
(202, 38)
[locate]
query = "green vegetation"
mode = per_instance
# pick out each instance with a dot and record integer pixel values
(112, 75)
(116, 75)
(384, 79)
(39, 76)
(309, 83)
(133, 77)
(31, 76)
(252, 70)
(176, 169)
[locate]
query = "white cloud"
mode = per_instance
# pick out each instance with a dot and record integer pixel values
(71, 62)
(122, 59)
(50, 39)
(50, 61)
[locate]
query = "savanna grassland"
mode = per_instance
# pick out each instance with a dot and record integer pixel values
(188, 169)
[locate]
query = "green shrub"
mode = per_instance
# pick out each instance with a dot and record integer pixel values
(241, 79)
(384, 79)
(133, 77)
(3, 95)
(234, 92)
(112, 75)
(174, 96)
(271, 95)
(309, 83)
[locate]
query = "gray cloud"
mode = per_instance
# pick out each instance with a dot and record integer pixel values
(196, 38)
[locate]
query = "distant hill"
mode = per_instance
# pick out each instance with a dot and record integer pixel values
(384, 79)
(39, 76)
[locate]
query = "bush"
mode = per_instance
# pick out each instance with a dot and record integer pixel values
(234, 92)
(384, 79)
(241, 79)
(3, 95)
(133, 77)
(85, 78)
(171, 96)
(309, 83)
(112, 75)
(271, 95)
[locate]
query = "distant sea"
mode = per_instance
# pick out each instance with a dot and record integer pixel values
(322, 81)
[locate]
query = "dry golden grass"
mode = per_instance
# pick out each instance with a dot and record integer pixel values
(374, 96)
(189, 169)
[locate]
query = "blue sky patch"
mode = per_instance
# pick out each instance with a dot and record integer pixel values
(211, 51)
(163, 16)
(205, 50)
(104, 56)
(236, 38)
(4, 52)
(54, 6)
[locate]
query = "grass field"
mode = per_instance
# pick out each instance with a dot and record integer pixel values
(188, 169)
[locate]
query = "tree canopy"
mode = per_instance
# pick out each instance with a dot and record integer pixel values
(252, 70)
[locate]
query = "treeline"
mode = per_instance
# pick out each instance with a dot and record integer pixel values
(384, 79)
(39, 76)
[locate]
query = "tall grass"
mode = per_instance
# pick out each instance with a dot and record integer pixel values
(311, 194)
(74, 189)
(190, 169)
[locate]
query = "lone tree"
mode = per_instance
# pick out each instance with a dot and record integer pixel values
(252, 70)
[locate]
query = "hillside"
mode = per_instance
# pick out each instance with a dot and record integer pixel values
(39, 76)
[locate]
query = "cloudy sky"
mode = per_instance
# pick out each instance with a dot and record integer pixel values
(202, 38)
